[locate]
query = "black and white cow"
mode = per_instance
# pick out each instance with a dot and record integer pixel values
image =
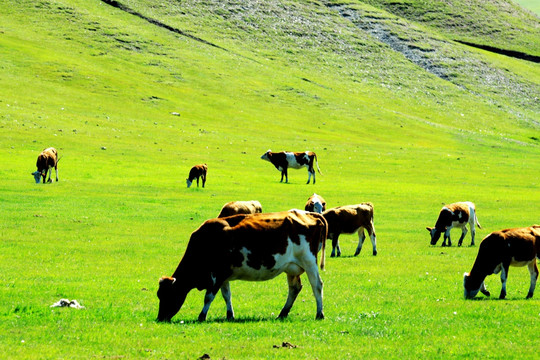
(47, 160)
(254, 247)
(500, 250)
(295, 160)
(455, 215)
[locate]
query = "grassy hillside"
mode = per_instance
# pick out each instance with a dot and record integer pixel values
(398, 112)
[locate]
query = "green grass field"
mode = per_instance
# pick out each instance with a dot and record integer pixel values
(100, 85)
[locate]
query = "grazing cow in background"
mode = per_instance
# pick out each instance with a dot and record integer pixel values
(296, 160)
(350, 219)
(500, 250)
(315, 203)
(255, 247)
(47, 160)
(196, 172)
(240, 207)
(455, 215)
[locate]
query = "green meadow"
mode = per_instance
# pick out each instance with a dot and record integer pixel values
(399, 113)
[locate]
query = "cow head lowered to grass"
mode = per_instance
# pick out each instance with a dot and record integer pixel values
(47, 160)
(255, 247)
(500, 250)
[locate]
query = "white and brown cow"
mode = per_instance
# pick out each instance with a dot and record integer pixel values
(455, 215)
(254, 247)
(296, 160)
(315, 203)
(47, 160)
(196, 172)
(350, 219)
(500, 250)
(240, 207)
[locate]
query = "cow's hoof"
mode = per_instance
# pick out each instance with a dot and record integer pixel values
(319, 316)
(202, 317)
(374, 252)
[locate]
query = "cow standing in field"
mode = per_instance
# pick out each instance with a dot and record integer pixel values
(350, 219)
(455, 215)
(296, 160)
(254, 247)
(47, 160)
(240, 207)
(500, 250)
(196, 172)
(315, 203)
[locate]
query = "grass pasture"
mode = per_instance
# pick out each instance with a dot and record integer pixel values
(101, 85)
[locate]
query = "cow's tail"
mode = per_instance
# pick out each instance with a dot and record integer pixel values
(476, 220)
(317, 163)
(58, 160)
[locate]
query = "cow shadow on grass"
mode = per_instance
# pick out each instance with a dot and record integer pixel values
(238, 320)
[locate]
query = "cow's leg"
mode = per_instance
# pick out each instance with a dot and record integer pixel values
(226, 292)
(361, 238)
(504, 276)
(197, 181)
(484, 290)
(208, 298)
(285, 171)
(447, 237)
(317, 286)
(473, 230)
(310, 173)
(49, 171)
(56, 170)
(203, 180)
(282, 175)
(533, 271)
(335, 245)
(373, 238)
(463, 233)
(295, 285)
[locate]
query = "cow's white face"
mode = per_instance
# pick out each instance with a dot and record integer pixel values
(188, 182)
(37, 176)
(317, 206)
(265, 155)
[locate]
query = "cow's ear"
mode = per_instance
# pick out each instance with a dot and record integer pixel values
(428, 228)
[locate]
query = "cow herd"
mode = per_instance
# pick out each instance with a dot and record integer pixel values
(243, 243)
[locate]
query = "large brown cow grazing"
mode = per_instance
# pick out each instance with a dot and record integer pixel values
(315, 203)
(455, 215)
(196, 172)
(350, 219)
(47, 160)
(500, 250)
(254, 247)
(296, 160)
(240, 207)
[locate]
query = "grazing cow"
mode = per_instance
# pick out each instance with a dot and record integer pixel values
(455, 215)
(196, 172)
(500, 250)
(47, 160)
(296, 160)
(316, 204)
(240, 207)
(254, 247)
(350, 219)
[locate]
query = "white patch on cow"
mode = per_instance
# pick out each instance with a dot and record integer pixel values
(317, 206)
(292, 262)
(291, 160)
(188, 182)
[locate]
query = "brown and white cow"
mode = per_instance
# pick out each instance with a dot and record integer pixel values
(350, 219)
(240, 207)
(196, 172)
(255, 247)
(315, 203)
(500, 250)
(455, 215)
(284, 160)
(47, 160)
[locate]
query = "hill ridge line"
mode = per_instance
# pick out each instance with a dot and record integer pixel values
(124, 8)
(511, 53)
